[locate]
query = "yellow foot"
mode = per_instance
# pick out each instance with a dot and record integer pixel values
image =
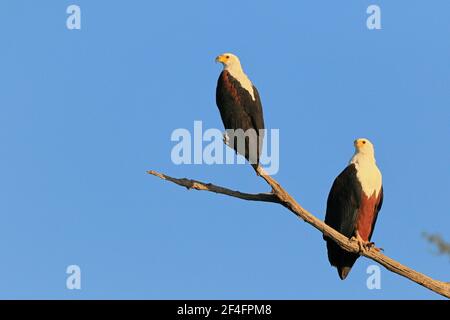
(226, 138)
(363, 245)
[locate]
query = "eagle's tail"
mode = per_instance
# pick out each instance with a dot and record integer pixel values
(340, 258)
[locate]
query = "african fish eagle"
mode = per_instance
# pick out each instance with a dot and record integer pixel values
(353, 205)
(240, 108)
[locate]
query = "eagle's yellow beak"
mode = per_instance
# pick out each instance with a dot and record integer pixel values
(359, 143)
(221, 59)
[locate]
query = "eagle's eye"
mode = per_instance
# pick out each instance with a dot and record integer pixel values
(228, 57)
(364, 142)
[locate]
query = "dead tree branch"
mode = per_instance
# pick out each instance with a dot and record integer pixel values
(281, 196)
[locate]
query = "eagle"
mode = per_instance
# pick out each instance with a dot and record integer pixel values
(353, 204)
(240, 109)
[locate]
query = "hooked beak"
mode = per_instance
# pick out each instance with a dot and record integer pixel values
(220, 59)
(358, 143)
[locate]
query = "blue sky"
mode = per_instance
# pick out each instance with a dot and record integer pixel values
(84, 114)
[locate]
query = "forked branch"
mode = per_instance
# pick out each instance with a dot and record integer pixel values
(281, 196)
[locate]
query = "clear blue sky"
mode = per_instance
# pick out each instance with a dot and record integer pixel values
(84, 114)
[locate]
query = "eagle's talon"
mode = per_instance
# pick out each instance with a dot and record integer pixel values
(371, 246)
(360, 243)
(364, 246)
(226, 139)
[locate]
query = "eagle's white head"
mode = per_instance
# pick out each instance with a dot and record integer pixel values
(229, 62)
(364, 152)
(364, 146)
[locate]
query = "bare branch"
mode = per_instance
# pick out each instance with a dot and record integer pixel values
(281, 196)
(197, 185)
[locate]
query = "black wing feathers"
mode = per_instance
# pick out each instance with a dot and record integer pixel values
(342, 211)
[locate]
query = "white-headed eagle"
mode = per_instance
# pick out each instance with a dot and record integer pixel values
(353, 205)
(240, 108)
